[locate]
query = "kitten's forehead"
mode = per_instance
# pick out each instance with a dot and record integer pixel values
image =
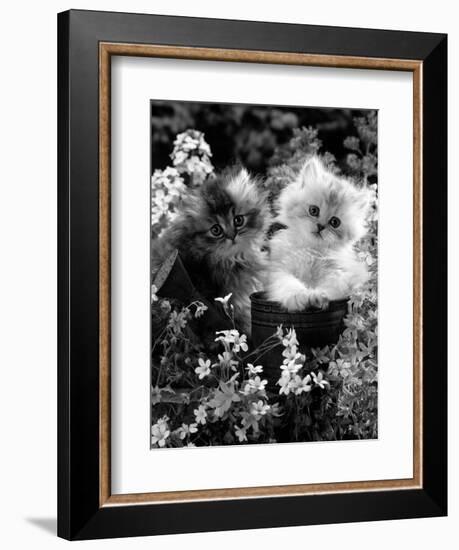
(230, 191)
(335, 196)
(242, 190)
(331, 193)
(216, 198)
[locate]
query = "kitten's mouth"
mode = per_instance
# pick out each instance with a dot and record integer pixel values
(318, 233)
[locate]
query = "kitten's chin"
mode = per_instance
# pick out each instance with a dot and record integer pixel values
(318, 242)
(312, 240)
(236, 252)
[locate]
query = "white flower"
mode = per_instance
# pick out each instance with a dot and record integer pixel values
(204, 368)
(204, 146)
(191, 155)
(340, 366)
(240, 433)
(293, 360)
(167, 186)
(293, 383)
(254, 385)
(319, 380)
(254, 370)
(290, 338)
(240, 343)
(163, 421)
(198, 167)
(259, 409)
(289, 369)
(289, 353)
(302, 385)
(285, 383)
(200, 414)
(154, 290)
(224, 301)
(179, 157)
(177, 321)
(232, 337)
(160, 432)
(224, 396)
(200, 309)
(226, 361)
(227, 336)
(186, 429)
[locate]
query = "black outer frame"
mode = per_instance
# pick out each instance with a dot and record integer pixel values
(79, 514)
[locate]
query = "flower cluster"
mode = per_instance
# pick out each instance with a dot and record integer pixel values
(191, 166)
(356, 355)
(162, 436)
(191, 155)
(291, 380)
(363, 161)
(226, 400)
(167, 187)
(160, 432)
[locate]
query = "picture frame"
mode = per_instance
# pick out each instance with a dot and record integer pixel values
(87, 41)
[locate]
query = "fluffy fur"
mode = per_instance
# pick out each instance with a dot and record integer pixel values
(312, 260)
(219, 233)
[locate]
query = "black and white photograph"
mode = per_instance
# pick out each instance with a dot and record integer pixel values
(264, 268)
(229, 304)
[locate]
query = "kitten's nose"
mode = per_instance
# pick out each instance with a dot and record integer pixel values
(320, 227)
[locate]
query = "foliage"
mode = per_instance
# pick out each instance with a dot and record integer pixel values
(247, 134)
(355, 358)
(363, 161)
(288, 159)
(217, 394)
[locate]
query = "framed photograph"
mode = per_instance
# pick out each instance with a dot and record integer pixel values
(252, 274)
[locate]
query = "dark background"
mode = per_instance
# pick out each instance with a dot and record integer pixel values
(248, 134)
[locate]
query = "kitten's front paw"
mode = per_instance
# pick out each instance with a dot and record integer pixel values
(318, 299)
(296, 301)
(306, 299)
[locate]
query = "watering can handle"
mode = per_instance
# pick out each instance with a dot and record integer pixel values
(172, 281)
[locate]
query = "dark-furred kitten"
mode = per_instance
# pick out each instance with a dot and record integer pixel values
(219, 233)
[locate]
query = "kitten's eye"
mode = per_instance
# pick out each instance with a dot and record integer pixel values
(238, 221)
(216, 230)
(314, 210)
(335, 222)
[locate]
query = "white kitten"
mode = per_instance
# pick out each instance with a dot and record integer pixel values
(313, 261)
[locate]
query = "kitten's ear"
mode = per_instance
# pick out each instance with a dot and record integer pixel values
(311, 170)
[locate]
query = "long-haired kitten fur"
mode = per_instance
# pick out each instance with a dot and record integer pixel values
(313, 260)
(219, 233)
